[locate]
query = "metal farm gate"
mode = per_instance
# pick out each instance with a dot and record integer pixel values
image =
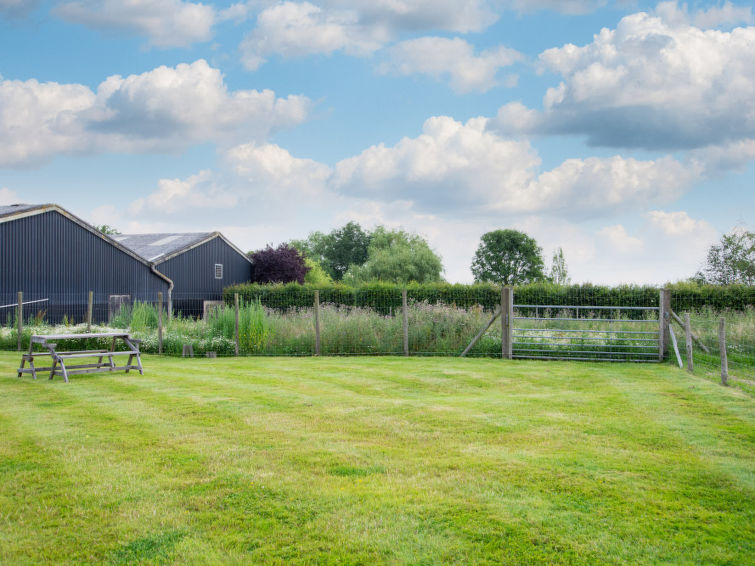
(588, 333)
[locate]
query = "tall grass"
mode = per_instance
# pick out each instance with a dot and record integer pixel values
(433, 329)
(253, 327)
(138, 317)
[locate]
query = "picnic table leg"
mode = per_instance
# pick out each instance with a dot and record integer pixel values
(135, 349)
(63, 367)
(138, 363)
(54, 363)
(31, 360)
(21, 369)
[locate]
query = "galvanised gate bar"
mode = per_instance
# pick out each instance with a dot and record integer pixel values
(585, 332)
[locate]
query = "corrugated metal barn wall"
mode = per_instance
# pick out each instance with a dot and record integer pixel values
(49, 256)
(193, 274)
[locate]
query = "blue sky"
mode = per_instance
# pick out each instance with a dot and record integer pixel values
(623, 132)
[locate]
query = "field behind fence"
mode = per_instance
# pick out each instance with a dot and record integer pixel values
(547, 321)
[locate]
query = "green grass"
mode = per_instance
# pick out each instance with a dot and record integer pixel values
(376, 460)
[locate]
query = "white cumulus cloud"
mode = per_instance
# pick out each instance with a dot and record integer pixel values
(440, 57)
(726, 14)
(166, 23)
(273, 171)
(464, 167)
(198, 191)
(7, 196)
(355, 27)
(165, 109)
(680, 224)
(293, 29)
(649, 83)
(419, 15)
(619, 240)
(562, 6)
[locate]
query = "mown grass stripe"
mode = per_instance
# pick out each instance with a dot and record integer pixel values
(386, 461)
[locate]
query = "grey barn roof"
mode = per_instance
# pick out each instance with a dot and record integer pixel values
(157, 248)
(10, 209)
(154, 247)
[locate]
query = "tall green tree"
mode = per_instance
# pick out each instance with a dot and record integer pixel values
(338, 250)
(316, 275)
(559, 273)
(730, 261)
(508, 257)
(399, 257)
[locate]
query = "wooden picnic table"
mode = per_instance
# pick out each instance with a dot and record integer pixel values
(104, 357)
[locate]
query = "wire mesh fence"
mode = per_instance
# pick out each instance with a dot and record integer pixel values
(739, 342)
(548, 322)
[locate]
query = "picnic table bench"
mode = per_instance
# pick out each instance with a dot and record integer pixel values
(104, 357)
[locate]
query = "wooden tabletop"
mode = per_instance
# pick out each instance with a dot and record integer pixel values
(45, 337)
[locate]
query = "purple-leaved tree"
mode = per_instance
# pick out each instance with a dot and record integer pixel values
(283, 264)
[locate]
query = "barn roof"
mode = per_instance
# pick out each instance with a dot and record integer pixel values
(13, 209)
(158, 248)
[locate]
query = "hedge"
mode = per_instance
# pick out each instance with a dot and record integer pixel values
(386, 297)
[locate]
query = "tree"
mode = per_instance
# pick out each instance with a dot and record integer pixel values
(730, 261)
(559, 273)
(338, 250)
(508, 257)
(107, 230)
(283, 264)
(316, 275)
(399, 257)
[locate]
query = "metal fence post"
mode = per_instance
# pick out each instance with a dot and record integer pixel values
(664, 307)
(159, 322)
(89, 310)
(722, 348)
(405, 315)
(507, 319)
(317, 323)
(20, 317)
(688, 336)
(236, 322)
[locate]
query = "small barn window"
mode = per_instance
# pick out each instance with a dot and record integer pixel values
(218, 271)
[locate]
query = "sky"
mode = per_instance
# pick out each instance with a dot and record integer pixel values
(622, 132)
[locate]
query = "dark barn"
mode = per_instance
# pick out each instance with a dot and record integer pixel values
(55, 259)
(199, 264)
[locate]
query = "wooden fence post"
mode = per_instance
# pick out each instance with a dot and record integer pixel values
(317, 323)
(160, 322)
(236, 323)
(722, 348)
(405, 311)
(20, 317)
(688, 336)
(664, 308)
(507, 319)
(89, 310)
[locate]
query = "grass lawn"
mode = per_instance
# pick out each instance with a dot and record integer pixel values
(376, 460)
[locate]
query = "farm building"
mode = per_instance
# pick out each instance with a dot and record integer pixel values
(199, 264)
(55, 259)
